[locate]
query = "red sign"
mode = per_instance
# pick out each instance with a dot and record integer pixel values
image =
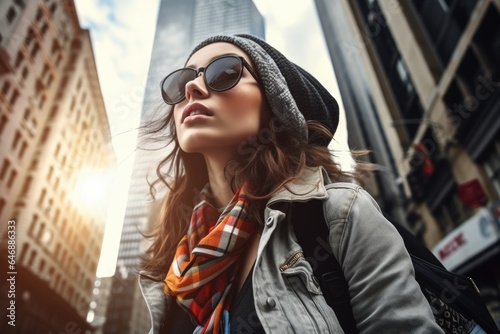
(471, 193)
(453, 245)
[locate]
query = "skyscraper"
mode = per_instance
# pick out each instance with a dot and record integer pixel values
(180, 26)
(55, 147)
(363, 120)
(433, 71)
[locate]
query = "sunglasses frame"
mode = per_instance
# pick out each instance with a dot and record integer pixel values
(199, 70)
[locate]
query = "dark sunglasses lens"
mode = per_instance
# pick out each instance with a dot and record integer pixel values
(174, 86)
(223, 73)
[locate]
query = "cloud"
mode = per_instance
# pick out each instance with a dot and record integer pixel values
(122, 42)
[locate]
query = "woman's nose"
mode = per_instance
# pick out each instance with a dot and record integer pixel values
(196, 88)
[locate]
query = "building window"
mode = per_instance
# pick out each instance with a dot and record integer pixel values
(17, 138)
(58, 59)
(486, 39)
(56, 251)
(53, 112)
(20, 3)
(43, 194)
(19, 59)
(44, 28)
(40, 232)
(25, 72)
(42, 101)
(30, 34)
(41, 266)
(50, 79)
(50, 205)
(27, 185)
(33, 226)
(56, 152)
(63, 226)
(34, 164)
(49, 174)
(5, 168)
(32, 257)
(56, 184)
(69, 235)
(444, 22)
(23, 252)
(404, 76)
(2, 205)
(27, 114)
(492, 166)
(45, 69)
(24, 146)
(53, 8)
(11, 15)
(376, 28)
(3, 123)
(14, 97)
(5, 88)
(39, 14)
(45, 134)
(55, 46)
(12, 178)
(56, 216)
(63, 258)
(34, 51)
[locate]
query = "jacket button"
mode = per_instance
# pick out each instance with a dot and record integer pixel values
(269, 221)
(270, 302)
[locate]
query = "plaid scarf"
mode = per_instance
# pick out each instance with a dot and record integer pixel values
(205, 262)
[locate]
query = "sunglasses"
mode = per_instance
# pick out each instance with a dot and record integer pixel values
(221, 74)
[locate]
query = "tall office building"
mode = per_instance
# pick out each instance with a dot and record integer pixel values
(362, 118)
(54, 138)
(432, 69)
(180, 26)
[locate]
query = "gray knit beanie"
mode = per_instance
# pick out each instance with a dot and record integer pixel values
(293, 94)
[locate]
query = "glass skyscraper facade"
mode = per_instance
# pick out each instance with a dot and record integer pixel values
(180, 26)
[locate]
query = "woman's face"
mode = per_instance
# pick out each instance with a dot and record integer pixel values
(207, 121)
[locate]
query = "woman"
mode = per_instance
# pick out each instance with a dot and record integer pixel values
(250, 131)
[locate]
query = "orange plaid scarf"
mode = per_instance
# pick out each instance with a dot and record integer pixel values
(205, 262)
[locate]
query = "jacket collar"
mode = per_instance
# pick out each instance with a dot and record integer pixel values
(310, 185)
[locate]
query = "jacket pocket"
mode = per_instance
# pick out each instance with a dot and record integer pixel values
(309, 298)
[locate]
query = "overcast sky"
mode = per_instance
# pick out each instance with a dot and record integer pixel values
(122, 35)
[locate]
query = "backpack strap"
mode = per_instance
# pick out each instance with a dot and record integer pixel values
(429, 272)
(314, 240)
(459, 291)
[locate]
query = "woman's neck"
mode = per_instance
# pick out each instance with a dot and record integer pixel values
(218, 179)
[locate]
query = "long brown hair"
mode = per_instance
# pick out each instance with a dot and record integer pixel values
(267, 162)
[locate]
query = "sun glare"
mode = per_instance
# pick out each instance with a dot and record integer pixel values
(92, 190)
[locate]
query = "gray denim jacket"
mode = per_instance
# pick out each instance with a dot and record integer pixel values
(384, 294)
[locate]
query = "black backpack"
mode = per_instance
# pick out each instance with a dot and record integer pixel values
(461, 311)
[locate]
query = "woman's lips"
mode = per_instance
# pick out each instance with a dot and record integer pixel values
(195, 111)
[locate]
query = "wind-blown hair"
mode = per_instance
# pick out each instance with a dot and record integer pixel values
(267, 162)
